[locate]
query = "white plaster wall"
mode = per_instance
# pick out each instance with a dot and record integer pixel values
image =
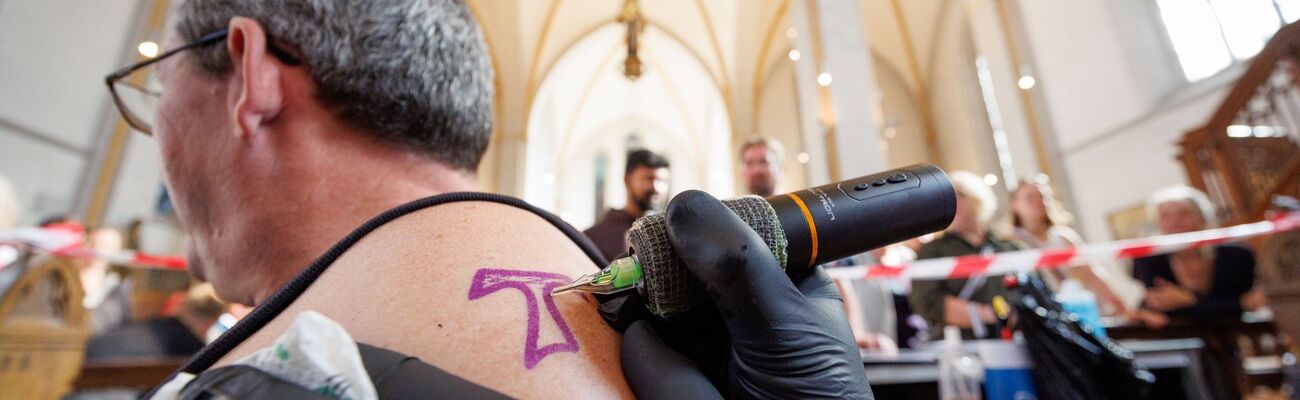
(778, 117)
(139, 183)
(43, 178)
(1118, 169)
(1083, 68)
(53, 58)
(1118, 103)
(900, 113)
(960, 121)
(853, 89)
(990, 42)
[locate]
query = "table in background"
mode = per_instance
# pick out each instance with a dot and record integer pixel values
(914, 374)
(1222, 355)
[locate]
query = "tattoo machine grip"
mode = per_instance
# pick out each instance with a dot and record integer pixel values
(805, 228)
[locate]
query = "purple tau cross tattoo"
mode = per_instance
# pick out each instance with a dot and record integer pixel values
(532, 284)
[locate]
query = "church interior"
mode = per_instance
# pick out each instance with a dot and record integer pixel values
(1099, 105)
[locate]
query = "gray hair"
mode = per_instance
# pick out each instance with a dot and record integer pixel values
(1187, 195)
(974, 187)
(414, 73)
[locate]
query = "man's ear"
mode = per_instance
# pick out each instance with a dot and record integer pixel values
(260, 94)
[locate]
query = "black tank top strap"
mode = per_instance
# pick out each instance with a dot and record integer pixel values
(281, 300)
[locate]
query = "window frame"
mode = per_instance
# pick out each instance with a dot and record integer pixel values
(1234, 67)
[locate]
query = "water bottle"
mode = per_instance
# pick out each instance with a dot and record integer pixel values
(959, 372)
(1079, 301)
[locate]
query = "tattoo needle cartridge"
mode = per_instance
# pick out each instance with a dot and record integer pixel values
(620, 275)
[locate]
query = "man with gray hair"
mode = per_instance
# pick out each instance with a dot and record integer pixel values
(285, 126)
(321, 153)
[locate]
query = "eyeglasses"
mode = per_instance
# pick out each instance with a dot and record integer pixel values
(136, 91)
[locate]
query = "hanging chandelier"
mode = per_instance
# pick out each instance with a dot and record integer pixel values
(630, 17)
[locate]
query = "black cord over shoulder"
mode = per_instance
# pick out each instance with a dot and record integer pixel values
(281, 300)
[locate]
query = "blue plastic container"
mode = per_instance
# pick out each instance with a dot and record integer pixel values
(1007, 371)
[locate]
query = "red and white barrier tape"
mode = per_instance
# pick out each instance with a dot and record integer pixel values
(52, 239)
(1093, 253)
(68, 241)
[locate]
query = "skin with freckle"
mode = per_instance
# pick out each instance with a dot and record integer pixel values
(475, 308)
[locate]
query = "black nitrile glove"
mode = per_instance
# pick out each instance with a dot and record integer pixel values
(764, 335)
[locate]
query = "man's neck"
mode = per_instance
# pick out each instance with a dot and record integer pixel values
(326, 196)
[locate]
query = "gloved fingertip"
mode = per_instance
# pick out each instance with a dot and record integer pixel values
(686, 206)
(708, 236)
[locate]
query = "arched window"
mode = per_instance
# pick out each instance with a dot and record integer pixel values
(1210, 35)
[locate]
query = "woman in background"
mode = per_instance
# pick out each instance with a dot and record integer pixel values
(1200, 283)
(1039, 223)
(964, 303)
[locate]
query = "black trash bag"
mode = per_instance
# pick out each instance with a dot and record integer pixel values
(1069, 362)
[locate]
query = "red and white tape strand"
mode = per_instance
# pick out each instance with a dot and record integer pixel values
(1093, 253)
(68, 241)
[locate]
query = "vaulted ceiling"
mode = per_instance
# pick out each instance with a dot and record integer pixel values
(736, 40)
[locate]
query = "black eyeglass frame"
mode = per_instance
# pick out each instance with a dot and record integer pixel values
(208, 39)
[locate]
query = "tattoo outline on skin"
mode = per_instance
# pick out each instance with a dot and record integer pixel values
(532, 284)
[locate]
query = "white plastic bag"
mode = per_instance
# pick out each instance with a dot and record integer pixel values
(315, 353)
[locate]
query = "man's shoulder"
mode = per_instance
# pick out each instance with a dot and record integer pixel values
(602, 221)
(610, 220)
(464, 286)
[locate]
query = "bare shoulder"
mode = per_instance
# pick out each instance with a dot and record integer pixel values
(464, 286)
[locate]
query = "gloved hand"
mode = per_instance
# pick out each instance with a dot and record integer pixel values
(764, 335)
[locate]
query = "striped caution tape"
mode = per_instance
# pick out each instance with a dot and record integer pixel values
(65, 241)
(68, 240)
(1092, 253)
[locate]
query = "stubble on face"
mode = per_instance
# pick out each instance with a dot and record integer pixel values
(192, 123)
(759, 170)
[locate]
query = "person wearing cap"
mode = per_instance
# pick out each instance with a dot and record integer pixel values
(646, 179)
